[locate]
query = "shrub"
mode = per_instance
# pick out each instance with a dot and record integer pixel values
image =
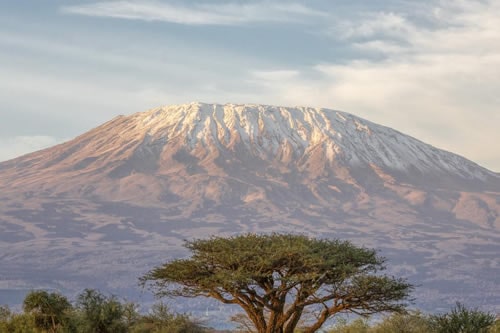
(163, 320)
(359, 325)
(462, 320)
(413, 322)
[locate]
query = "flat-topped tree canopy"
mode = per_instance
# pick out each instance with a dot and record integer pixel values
(275, 278)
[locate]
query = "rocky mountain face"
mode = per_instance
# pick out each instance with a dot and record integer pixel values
(102, 209)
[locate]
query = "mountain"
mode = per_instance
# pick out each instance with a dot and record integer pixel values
(102, 209)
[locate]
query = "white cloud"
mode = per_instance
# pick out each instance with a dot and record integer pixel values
(275, 75)
(20, 145)
(372, 24)
(198, 14)
(440, 84)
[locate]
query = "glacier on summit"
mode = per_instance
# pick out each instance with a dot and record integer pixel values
(269, 129)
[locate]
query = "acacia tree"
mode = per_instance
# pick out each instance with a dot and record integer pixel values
(275, 278)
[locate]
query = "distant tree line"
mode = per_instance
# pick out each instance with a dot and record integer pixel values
(93, 312)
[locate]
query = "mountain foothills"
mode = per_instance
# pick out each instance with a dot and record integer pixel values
(102, 209)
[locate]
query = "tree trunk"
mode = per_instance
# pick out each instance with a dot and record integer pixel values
(53, 324)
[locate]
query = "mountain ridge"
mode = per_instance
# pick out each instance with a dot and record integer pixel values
(227, 126)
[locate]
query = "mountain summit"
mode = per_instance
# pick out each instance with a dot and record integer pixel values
(134, 187)
(222, 140)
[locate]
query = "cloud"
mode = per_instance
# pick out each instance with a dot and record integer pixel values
(373, 24)
(275, 75)
(196, 14)
(435, 77)
(20, 145)
(82, 84)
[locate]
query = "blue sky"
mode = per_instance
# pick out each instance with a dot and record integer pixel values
(430, 69)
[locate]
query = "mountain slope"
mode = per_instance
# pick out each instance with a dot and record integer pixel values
(134, 187)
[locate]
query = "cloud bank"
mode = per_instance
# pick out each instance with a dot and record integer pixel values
(435, 76)
(430, 69)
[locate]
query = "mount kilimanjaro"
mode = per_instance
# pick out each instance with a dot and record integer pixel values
(102, 209)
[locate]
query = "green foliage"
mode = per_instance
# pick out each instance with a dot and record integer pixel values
(275, 278)
(19, 323)
(5, 312)
(99, 313)
(462, 320)
(359, 325)
(459, 320)
(5, 315)
(131, 316)
(414, 322)
(162, 320)
(48, 309)
(93, 313)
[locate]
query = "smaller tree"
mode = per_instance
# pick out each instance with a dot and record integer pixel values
(131, 314)
(100, 314)
(49, 309)
(462, 320)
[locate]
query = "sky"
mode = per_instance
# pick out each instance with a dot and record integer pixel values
(428, 68)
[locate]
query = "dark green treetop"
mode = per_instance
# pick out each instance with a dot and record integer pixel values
(49, 309)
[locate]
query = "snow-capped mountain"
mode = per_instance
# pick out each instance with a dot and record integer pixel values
(284, 136)
(134, 187)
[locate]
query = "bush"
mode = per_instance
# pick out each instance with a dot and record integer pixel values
(163, 320)
(16, 323)
(462, 320)
(99, 313)
(414, 322)
(359, 325)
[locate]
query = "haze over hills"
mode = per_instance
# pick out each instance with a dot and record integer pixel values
(102, 209)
